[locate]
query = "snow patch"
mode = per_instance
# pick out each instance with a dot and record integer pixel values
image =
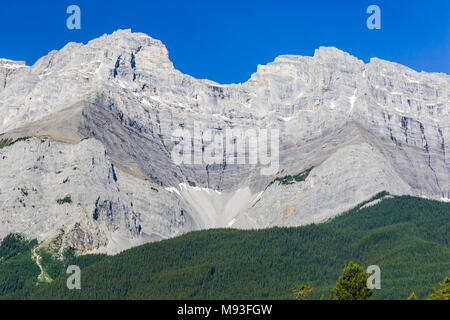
(155, 98)
(173, 189)
(145, 101)
(286, 119)
(11, 65)
(218, 115)
(352, 100)
(374, 202)
(44, 75)
(120, 83)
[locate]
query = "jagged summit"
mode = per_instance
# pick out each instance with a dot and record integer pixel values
(333, 53)
(6, 63)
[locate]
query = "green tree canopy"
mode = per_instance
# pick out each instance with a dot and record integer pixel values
(412, 296)
(302, 291)
(442, 294)
(352, 284)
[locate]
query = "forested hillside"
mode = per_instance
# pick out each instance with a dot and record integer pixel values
(406, 237)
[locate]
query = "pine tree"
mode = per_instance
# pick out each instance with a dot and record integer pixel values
(412, 296)
(444, 293)
(302, 291)
(352, 284)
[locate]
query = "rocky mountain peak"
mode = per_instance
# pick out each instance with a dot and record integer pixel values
(332, 53)
(10, 64)
(101, 118)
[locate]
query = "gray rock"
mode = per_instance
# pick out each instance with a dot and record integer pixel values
(110, 107)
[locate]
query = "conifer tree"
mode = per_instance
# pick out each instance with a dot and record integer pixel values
(352, 284)
(302, 291)
(412, 296)
(442, 294)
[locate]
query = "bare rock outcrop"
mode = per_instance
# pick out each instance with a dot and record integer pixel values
(96, 171)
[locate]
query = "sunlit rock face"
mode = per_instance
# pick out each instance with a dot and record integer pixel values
(100, 120)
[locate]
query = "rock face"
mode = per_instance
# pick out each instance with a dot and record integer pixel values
(96, 172)
(7, 69)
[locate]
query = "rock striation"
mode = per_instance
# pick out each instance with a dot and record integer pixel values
(95, 171)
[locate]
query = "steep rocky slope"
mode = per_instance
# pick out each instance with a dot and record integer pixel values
(100, 119)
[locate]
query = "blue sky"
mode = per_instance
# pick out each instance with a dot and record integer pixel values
(225, 40)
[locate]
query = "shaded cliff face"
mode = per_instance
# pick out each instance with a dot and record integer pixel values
(110, 108)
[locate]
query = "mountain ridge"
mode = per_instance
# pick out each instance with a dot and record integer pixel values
(109, 109)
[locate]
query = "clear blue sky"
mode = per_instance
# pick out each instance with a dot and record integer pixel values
(225, 40)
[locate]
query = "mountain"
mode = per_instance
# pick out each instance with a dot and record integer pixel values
(86, 158)
(406, 237)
